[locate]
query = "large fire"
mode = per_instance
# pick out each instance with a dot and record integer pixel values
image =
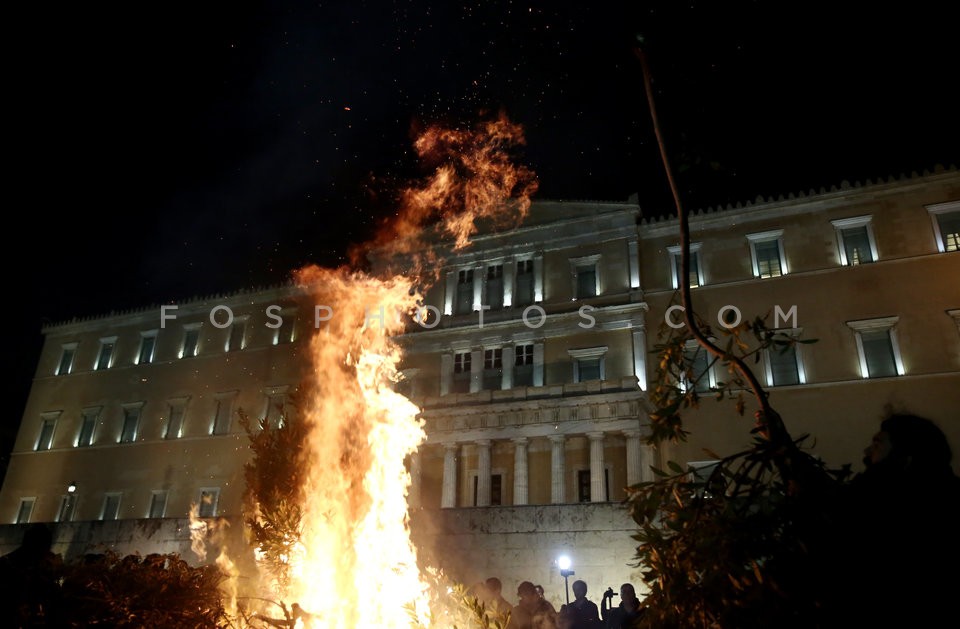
(355, 564)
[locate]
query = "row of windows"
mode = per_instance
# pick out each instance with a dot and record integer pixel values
(208, 499)
(190, 344)
(90, 419)
(855, 242)
(878, 352)
(490, 286)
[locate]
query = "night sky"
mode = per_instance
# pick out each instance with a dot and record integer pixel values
(164, 150)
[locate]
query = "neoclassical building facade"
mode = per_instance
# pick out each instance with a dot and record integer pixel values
(532, 377)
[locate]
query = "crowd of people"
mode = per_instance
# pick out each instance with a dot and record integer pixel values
(534, 611)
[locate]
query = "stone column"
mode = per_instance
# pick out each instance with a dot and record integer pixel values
(483, 472)
(448, 499)
(640, 357)
(598, 489)
(521, 482)
(648, 457)
(558, 469)
(634, 464)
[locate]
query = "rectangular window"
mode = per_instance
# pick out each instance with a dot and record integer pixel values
(495, 286)
(464, 292)
(588, 369)
(766, 252)
(158, 504)
(105, 355)
(148, 342)
(462, 365)
(46, 434)
(855, 238)
(949, 224)
(695, 275)
(878, 353)
(209, 497)
(111, 506)
(88, 423)
(191, 342)
(25, 510)
(877, 347)
(285, 333)
(784, 365)
(588, 363)
(524, 295)
(176, 411)
(131, 425)
(237, 332)
(67, 506)
(492, 369)
(697, 375)
(65, 365)
(276, 407)
(946, 225)
(523, 366)
(224, 414)
(586, 281)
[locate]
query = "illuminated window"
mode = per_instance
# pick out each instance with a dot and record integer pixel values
(766, 254)
(782, 360)
(462, 365)
(68, 504)
(223, 416)
(523, 365)
(946, 225)
(67, 354)
(525, 284)
(209, 499)
(586, 276)
(235, 341)
(699, 376)
(148, 343)
(131, 423)
(105, 354)
(877, 347)
(855, 239)
(464, 291)
(111, 506)
(47, 428)
(25, 510)
(492, 369)
(494, 286)
(191, 340)
(88, 423)
(696, 273)
(158, 503)
(176, 410)
(588, 364)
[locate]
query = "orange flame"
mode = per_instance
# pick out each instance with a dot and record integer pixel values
(356, 565)
(474, 181)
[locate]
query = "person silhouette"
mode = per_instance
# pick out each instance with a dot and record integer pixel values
(583, 612)
(897, 530)
(29, 580)
(624, 615)
(533, 611)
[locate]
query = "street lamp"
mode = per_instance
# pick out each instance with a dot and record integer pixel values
(71, 488)
(564, 564)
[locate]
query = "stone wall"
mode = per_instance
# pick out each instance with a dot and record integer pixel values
(523, 543)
